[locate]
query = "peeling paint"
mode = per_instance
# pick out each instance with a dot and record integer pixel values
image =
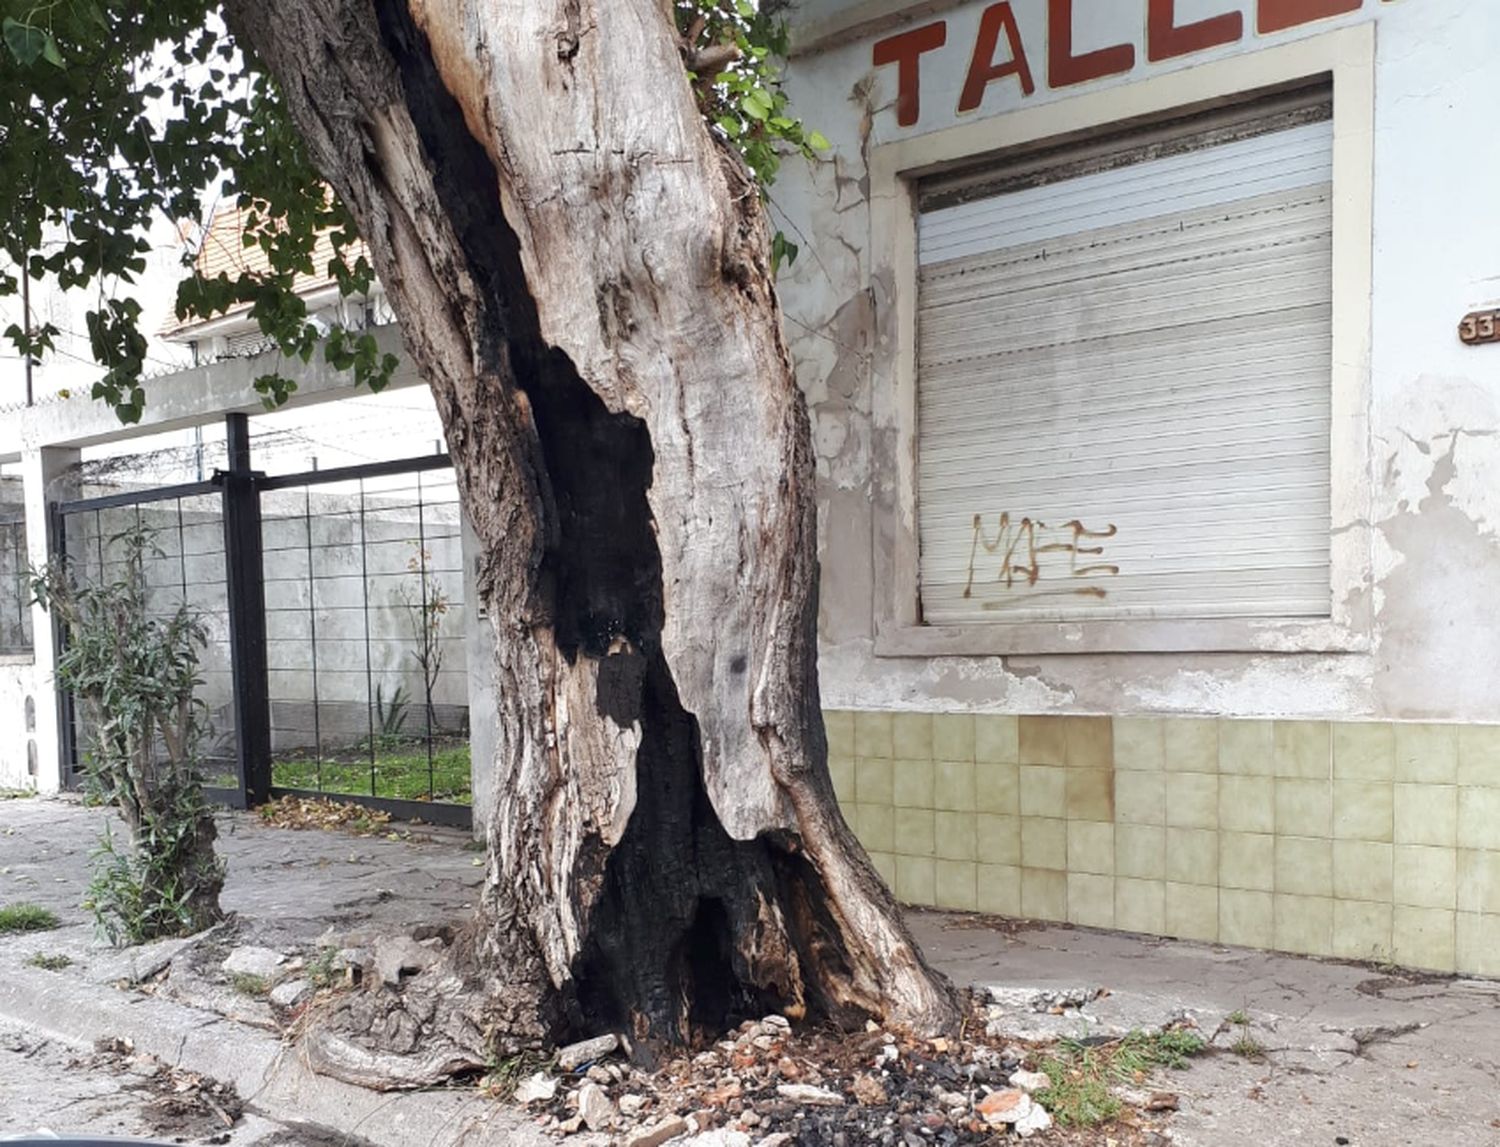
(1427, 534)
(1439, 629)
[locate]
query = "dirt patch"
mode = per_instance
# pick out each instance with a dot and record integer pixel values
(311, 1135)
(179, 1105)
(323, 813)
(1380, 985)
(976, 922)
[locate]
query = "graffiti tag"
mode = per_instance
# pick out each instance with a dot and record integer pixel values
(1029, 550)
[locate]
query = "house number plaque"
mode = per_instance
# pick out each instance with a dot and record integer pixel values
(1480, 327)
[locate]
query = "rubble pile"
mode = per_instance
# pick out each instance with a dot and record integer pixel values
(768, 1085)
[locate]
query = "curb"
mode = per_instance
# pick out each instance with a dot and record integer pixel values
(267, 1074)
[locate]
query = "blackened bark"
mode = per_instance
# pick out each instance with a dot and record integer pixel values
(583, 275)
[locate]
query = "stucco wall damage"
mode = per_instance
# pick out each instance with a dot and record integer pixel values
(1433, 449)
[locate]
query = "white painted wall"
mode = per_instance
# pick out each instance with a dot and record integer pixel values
(1432, 458)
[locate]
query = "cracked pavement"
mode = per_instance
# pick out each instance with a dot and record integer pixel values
(1352, 1055)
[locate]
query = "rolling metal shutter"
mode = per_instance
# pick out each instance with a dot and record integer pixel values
(1123, 380)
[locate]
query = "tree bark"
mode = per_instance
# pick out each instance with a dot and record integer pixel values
(581, 271)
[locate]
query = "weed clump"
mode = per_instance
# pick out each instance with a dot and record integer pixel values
(25, 917)
(1084, 1076)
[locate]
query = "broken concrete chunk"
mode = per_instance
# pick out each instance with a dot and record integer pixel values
(576, 1054)
(595, 1107)
(252, 961)
(536, 1088)
(630, 1105)
(657, 1134)
(1000, 1108)
(810, 1095)
(722, 1137)
(291, 993)
(1029, 1081)
(1037, 1119)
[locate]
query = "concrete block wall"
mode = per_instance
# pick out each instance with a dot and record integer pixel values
(1371, 841)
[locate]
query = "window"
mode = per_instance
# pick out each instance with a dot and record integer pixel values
(15, 592)
(1124, 375)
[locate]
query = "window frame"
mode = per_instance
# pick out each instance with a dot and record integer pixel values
(16, 595)
(1347, 57)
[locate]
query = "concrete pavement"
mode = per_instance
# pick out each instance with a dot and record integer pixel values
(1353, 1055)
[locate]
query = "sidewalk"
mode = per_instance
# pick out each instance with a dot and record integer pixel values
(1353, 1055)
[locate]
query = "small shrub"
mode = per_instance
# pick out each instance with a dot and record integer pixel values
(1239, 1018)
(1249, 1047)
(50, 962)
(26, 918)
(322, 970)
(133, 670)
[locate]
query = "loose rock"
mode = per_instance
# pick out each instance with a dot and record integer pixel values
(630, 1105)
(869, 1090)
(575, 1055)
(536, 1088)
(810, 1095)
(290, 994)
(1037, 1119)
(1029, 1081)
(1004, 1107)
(252, 961)
(658, 1134)
(595, 1107)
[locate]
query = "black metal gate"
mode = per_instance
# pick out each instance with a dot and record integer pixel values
(334, 606)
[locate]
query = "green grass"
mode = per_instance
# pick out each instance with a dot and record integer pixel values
(249, 984)
(26, 918)
(1080, 1093)
(400, 773)
(505, 1075)
(1083, 1076)
(48, 962)
(322, 969)
(1249, 1047)
(1237, 1017)
(16, 794)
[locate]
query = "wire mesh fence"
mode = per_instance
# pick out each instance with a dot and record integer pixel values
(183, 564)
(365, 617)
(361, 570)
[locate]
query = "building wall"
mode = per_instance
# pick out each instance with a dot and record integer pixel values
(1335, 798)
(18, 698)
(1429, 443)
(1363, 840)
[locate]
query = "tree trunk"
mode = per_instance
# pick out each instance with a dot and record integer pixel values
(581, 272)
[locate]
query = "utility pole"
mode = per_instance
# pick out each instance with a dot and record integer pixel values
(26, 323)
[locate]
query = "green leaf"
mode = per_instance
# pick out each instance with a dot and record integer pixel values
(818, 142)
(26, 43)
(51, 54)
